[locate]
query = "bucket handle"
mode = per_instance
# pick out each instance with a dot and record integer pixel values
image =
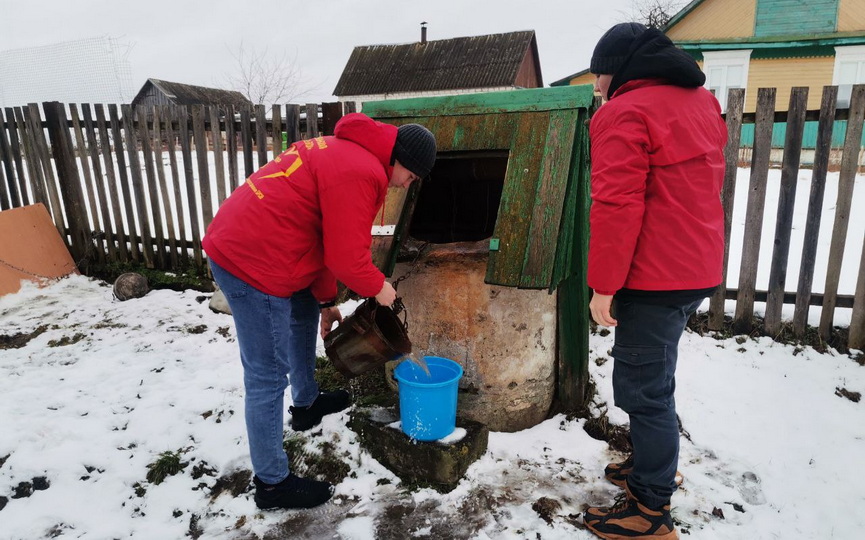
(397, 307)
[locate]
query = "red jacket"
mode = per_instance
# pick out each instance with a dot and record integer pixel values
(657, 168)
(305, 219)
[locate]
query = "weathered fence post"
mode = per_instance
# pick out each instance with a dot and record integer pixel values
(735, 104)
(786, 201)
(330, 115)
(70, 182)
(822, 151)
(44, 188)
(846, 178)
(123, 179)
(12, 156)
(137, 184)
(744, 316)
(261, 135)
(292, 123)
(276, 119)
(246, 140)
(311, 120)
(856, 339)
(87, 185)
(194, 229)
(234, 180)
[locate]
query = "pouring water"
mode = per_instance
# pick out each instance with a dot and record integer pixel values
(418, 361)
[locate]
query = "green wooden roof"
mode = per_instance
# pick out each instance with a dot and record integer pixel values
(542, 221)
(536, 99)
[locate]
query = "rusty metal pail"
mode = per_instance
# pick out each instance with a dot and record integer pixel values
(366, 339)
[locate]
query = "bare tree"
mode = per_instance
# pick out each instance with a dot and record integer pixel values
(655, 13)
(264, 77)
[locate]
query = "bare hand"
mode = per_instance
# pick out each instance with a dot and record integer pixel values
(600, 308)
(387, 295)
(328, 317)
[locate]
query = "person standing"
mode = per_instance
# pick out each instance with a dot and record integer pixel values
(277, 247)
(655, 251)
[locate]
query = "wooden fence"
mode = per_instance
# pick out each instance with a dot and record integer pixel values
(115, 181)
(746, 294)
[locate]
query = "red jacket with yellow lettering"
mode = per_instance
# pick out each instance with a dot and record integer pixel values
(305, 219)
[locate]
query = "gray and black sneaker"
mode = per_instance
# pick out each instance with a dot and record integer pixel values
(303, 418)
(293, 492)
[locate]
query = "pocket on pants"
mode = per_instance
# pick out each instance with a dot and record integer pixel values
(231, 286)
(640, 377)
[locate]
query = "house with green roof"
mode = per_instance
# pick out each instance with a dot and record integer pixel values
(781, 44)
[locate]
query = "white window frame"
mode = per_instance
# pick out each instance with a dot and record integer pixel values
(848, 54)
(725, 59)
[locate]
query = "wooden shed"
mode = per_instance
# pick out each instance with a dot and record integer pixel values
(486, 63)
(494, 274)
(159, 92)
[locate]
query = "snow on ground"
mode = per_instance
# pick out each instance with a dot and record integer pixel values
(108, 386)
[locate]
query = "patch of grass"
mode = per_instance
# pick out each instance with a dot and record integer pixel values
(236, 483)
(699, 323)
(66, 340)
(140, 490)
(17, 341)
(167, 464)
(322, 463)
(190, 277)
(329, 379)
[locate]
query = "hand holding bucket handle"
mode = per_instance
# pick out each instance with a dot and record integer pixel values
(386, 295)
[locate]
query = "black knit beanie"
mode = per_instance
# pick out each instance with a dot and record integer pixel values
(612, 49)
(415, 149)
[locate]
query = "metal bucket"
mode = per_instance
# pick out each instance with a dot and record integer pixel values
(367, 338)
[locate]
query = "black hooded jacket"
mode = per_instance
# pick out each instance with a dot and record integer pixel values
(653, 56)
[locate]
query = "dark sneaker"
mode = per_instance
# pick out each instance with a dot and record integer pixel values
(303, 418)
(617, 473)
(629, 519)
(293, 492)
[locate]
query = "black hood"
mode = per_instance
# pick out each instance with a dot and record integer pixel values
(653, 56)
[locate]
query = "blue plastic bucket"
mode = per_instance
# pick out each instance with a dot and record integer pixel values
(428, 403)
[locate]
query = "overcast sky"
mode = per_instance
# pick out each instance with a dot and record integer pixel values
(191, 41)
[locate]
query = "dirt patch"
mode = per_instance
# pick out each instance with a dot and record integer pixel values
(547, 508)
(852, 396)
(26, 489)
(618, 437)
(66, 340)
(17, 341)
(236, 483)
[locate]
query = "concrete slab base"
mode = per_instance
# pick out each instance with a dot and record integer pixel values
(429, 464)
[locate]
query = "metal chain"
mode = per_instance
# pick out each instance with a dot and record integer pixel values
(23, 271)
(414, 266)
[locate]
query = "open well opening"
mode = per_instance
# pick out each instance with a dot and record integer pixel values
(460, 200)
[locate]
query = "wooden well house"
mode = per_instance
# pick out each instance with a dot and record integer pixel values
(489, 252)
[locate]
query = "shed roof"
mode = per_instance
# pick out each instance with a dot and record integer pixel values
(487, 61)
(188, 94)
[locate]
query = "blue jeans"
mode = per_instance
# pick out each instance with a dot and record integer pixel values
(644, 381)
(277, 340)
